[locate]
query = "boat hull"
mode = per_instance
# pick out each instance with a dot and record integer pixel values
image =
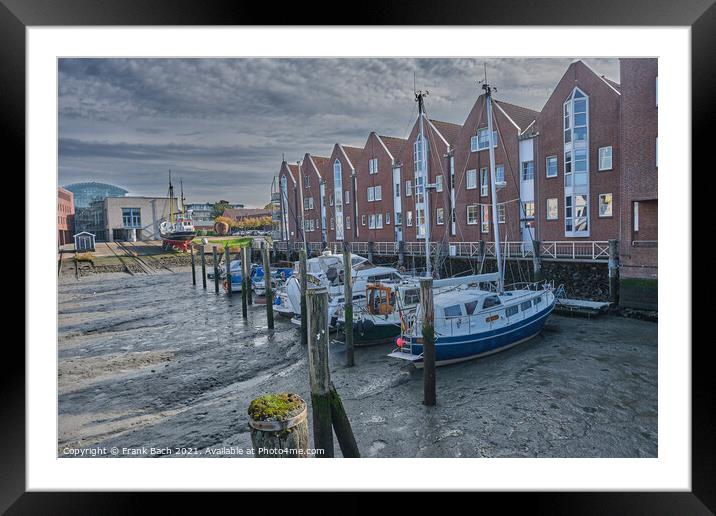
(451, 350)
(375, 334)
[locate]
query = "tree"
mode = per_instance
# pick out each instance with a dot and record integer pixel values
(218, 208)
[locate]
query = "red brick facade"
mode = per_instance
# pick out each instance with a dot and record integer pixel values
(610, 147)
(639, 112)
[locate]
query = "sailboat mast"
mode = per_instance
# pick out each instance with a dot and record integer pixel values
(303, 208)
(181, 188)
(495, 225)
(171, 199)
(424, 174)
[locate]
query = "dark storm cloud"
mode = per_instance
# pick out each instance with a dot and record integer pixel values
(223, 124)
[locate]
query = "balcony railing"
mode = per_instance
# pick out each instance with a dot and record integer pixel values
(595, 250)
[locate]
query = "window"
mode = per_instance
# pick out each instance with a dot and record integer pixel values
(526, 305)
(333, 225)
(371, 194)
(362, 220)
(348, 222)
(485, 216)
(409, 218)
(470, 307)
(537, 300)
(452, 311)
(308, 204)
(528, 170)
(605, 205)
(398, 218)
(471, 179)
(636, 216)
(347, 197)
(605, 158)
(552, 209)
(500, 174)
(656, 151)
(408, 188)
(483, 138)
(483, 182)
(501, 213)
(491, 301)
(439, 183)
(373, 166)
(379, 221)
(528, 208)
(330, 200)
(397, 189)
(308, 182)
(511, 310)
(378, 193)
(551, 166)
(131, 218)
(371, 222)
(473, 144)
(576, 213)
(440, 216)
(387, 218)
(472, 214)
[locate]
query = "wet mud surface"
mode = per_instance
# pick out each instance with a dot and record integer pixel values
(152, 361)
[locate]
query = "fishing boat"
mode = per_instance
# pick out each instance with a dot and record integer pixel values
(178, 231)
(472, 321)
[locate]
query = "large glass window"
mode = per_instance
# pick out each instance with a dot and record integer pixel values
(131, 218)
(418, 155)
(576, 164)
(528, 170)
(483, 138)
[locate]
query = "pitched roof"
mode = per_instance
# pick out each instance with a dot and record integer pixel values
(447, 129)
(353, 153)
(613, 83)
(521, 116)
(237, 213)
(394, 144)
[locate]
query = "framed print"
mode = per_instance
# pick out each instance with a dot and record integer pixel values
(425, 248)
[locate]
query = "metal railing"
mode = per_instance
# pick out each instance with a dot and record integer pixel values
(593, 250)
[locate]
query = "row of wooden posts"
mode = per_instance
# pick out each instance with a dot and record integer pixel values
(329, 415)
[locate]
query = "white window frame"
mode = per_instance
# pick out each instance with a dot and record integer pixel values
(373, 166)
(556, 201)
(636, 216)
(387, 218)
(473, 144)
(484, 182)
(379, 221)
(371, 221)
(409, 218)
(408, 188)
(362, 220)
(348, 221)
(556, 166)
(524, 210)
(611, 206)
(378, 193)
(485, 142)
(500, 172)
(522, 170)
(484, 218)
(370, 193)
(347, 197)
(472, 173)
(440, 216)
(439, 183)
(501, 216)
(611, 158)
(477, 214)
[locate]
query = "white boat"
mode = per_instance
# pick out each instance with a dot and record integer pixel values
(471, 321)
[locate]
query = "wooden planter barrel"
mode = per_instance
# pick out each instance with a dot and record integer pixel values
(283, 435)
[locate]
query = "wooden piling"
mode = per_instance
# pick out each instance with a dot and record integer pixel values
(304, 287)
(370, 251)
(279, 426)
(536, 261)
(250, 293)
(193, 265)
(613, 265)
(203, 266)
(348, 306)
(401, 252)
(227, 260)
(77, 268)
(244, 277)
(426, 306)
(216, 269)
(342, 427)
(318, 372)
(267, 283)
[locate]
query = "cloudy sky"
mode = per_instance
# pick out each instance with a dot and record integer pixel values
(224, 124)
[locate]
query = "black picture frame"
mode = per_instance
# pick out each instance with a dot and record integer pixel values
(700, 15)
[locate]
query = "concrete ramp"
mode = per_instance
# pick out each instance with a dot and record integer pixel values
(581, 307)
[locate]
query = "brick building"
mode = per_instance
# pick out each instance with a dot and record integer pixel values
(65, 216)
(579, 172)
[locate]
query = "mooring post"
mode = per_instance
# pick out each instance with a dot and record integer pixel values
(348, 306)
(249, 253)
(267, 283)
(244, 283)
(401, 252)
(279, 426)
(203, 266)
(193, 265)
(318, 372)
(426, 306)
(227, 260)
(536, 261)
(77, 269)
(304, 287)
(370, 251)
(613, 265)
(216, 269)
